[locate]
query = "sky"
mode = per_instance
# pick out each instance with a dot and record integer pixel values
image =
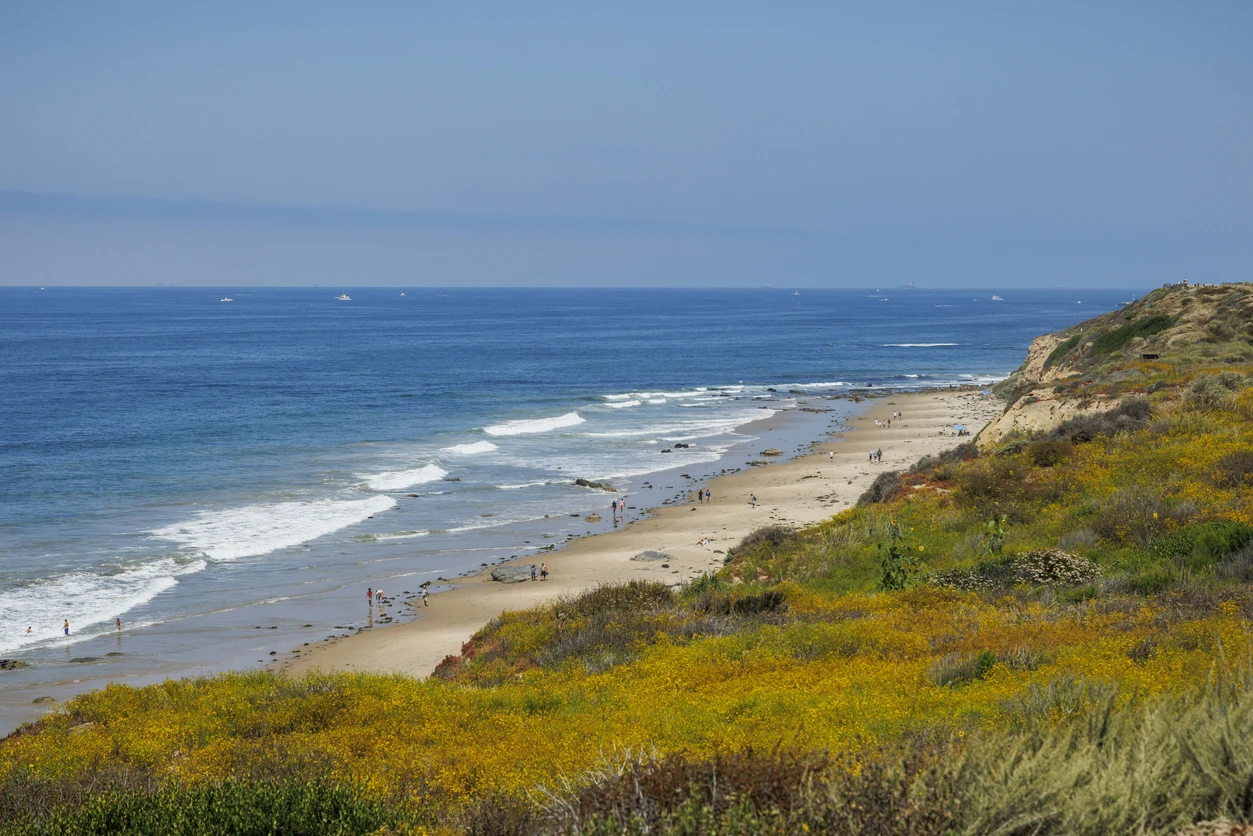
(982, 144)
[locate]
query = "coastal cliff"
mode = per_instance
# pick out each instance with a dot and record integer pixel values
(1094, 366)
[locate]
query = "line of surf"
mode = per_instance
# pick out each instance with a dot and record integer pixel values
(536, 425)
(254, 530)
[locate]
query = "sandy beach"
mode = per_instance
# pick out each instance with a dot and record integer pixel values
(796, 492)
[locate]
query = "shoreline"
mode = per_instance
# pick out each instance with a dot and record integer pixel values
(800, 491)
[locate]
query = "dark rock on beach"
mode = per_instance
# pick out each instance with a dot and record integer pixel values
(651, 555)
(600, 486)
(42, 700)
(12, 664)
(85, 659)
(514, 574)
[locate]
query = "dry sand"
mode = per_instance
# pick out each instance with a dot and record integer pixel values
(798, 492)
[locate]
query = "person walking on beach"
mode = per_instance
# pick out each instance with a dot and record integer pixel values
(532, 571)
(543, 571)
(118, 622)
(378, 598)
(67, 627)
(752, 500)
(425, 596)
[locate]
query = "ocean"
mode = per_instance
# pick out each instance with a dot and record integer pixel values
(202, 469)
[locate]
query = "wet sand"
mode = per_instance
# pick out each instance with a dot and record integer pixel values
(797, 492)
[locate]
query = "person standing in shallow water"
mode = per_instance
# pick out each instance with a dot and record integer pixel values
(67, 627)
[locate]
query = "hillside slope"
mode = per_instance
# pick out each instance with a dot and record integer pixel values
(1091, 367)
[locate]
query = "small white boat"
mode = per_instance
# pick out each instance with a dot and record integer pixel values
(402, 294)
(227, 299)
(997, 299)
(343, 297)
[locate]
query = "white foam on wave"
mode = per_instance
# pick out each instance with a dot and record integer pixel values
(87, 599)
(615, 397)
(916, 345)
(623, 404)
(520, 487)
(260, 529)
(398, 480)
(470, 449)
(820, 385)
(537, 425)
(401, 535)
(656, 400)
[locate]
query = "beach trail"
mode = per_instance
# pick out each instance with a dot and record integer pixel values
(797, 492)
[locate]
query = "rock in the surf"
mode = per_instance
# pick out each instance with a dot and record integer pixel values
(513, 574)
(600, 486)
(12, 664)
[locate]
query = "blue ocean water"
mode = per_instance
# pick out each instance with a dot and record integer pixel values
(166, 455)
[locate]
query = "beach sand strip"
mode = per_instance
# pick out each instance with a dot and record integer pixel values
(797, 492)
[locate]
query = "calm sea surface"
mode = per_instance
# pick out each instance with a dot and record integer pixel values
(168, 458)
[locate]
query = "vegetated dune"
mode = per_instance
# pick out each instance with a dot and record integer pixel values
(1047, 632)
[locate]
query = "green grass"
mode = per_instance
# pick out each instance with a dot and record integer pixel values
(1119, 337)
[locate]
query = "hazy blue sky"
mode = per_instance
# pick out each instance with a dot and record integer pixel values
(993, 144)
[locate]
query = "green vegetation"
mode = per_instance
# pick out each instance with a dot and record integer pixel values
(1063, 348)
(1119, 337)
(1047, 636)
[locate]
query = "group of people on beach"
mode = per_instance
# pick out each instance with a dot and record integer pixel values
(375, 597)
(65, 626)
(887, 423)
(876, 455)
(543, 571)
(702, 496)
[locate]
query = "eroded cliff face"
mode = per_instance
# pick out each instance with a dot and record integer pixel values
(1039, 413)
(1100, 362)
(1042, 409)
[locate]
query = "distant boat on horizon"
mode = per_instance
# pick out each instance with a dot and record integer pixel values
(227, 299)
(402, 294)
(343, 297)
(907, 284)
(997, 299)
